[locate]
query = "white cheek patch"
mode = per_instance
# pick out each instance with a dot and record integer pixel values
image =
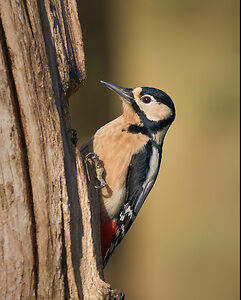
(156, 111)
(164, 112)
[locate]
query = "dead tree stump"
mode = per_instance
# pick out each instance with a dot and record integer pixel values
(49, 214)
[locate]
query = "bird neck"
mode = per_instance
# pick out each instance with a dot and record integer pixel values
(158, 136)
(155, 130)
(129, 115)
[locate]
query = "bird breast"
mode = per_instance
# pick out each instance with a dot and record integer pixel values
(115, 147)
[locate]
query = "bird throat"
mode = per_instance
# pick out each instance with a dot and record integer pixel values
(139, 123)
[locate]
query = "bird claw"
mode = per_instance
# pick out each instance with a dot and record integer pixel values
(100, 186)
(98, 168)
(73, 136)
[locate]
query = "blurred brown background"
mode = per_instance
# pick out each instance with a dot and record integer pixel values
(185, 242)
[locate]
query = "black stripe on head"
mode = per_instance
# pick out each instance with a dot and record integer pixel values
(149, 126)
(153, 127)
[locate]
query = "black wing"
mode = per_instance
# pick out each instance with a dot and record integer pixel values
(141, 176)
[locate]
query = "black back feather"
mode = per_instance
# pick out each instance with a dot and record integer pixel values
(135, 193)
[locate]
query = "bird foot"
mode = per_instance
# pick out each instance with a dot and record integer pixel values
(73, 136)
(98, 168)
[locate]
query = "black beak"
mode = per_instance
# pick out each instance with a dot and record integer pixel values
(121, 91)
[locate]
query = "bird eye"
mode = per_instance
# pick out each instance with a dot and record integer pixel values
(146, 99)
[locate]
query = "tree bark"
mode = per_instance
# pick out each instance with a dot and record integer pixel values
(49, 214)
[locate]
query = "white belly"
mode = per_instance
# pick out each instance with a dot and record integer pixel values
(113, 204)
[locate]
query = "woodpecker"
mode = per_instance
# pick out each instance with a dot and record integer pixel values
(129, 149)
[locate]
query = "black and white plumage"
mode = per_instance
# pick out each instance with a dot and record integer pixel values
(130, 150)
(142, 173)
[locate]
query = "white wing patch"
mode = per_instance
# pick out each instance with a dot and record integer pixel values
(151, 176)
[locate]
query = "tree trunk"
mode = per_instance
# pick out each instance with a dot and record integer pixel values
(49, 214)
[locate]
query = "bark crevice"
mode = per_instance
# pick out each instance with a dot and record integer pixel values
(18, 119)
(64, 253)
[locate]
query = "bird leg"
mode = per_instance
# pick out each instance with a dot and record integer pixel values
(98, 169)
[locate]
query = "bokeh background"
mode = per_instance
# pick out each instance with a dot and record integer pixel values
(185, 242)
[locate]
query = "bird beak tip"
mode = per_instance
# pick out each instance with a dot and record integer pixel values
(124, 93)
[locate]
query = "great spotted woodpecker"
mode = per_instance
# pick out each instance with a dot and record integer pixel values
(129, 149)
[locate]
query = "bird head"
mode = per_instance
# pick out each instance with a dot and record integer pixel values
(154, 107)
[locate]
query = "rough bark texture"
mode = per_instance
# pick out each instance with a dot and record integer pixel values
(49, 231)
